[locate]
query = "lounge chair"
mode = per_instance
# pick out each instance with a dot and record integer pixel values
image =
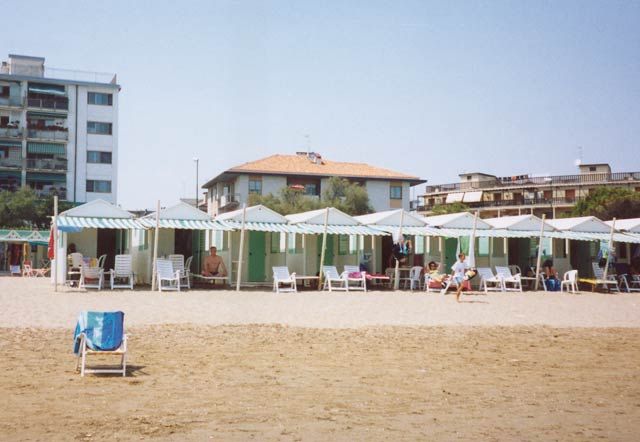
(356, 279)
(570, 279)
(332, 280)
(283, 281)
(100, 333)
(611, 283)
(178, 264)
(168, 276)
(27, 269)
(122, 271)
(487, 277)
(508, 278)
(431, 285)
(91, 278)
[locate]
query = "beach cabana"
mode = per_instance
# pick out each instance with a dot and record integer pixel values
(182, 230)
(95, 228)
(345, 244)
(269, 241)
(17, 246)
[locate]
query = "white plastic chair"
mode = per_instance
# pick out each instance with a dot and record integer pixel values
(122, 270)
(570, 279)
(283, 281)
(487, 277)
(332, 279)
(599, 275)
(27, 269)
(77, 261)
(101, 261)
(507, 278)
(166, 274)
(91, 278)
(414, 278)
(355, 283)
(177, 261)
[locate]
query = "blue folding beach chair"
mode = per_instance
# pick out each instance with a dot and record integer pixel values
(100, 333)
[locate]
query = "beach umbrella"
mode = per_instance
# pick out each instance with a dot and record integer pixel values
(241, 251)
(610, 245)
(324, 246)
(539, 251)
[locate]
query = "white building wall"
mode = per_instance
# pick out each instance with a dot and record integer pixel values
(273, 184)
(378, 195)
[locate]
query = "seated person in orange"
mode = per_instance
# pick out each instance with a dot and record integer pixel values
(432, 270)
(213, 264)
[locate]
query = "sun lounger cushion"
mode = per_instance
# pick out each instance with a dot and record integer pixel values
(103, 330)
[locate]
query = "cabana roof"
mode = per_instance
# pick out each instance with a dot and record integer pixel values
(339, 223)
(96, 214)
(181, 211)
(462, 220)
(97, 209)
(519, 223)
(589, 224)
(391, 218)
(259, 219)
(183, 216)
(629, 225)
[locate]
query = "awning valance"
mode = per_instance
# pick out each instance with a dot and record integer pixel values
(10, 143)
(266, 227)
(46, 115)
(472, 197)
(454, 197)
(333, 229)
(74, 222)
(47, 148)
(186, 224)
(51, 89)
(47, 177)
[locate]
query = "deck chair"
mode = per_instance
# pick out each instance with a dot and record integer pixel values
(177, 261)
(283, 281)
(504, 272)
(168, 276)
(356, 279)
(332, 280)
(187, 269)
(414, 278)
(431, 285)
(100, 333)
(91, 278)
(634, 283)
(75, 271)
(27, 269)
(487, 277)
(570, 279)
(122, 271)
(611, 280)
(101, 261)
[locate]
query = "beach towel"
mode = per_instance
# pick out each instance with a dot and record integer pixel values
(103, 330)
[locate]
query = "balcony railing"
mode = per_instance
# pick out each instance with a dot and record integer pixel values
(10, 132)
(585, 178)
(13, 163)
(46, 164)
(520, 202)
(228, 199)
(11, 101)
(51, 135)
(56, 104)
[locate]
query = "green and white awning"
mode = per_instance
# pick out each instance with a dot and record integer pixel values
(47, 148)
(98, 223)
(186, 224)
(265, 227)
(336, 229)
(11, 143)
(412, 230)
(47, 177)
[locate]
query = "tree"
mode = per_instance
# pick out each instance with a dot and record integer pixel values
(441, 209)
(607, 202)
(23, 209)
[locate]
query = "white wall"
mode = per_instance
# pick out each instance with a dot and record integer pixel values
(273, 184)
(86, 242)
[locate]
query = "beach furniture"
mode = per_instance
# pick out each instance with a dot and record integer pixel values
(27, 269)
(333, 280)
(91, 277)
(101, 260)
(610, 283)
(466, 285)
(487, 277)
(504, 273)
(122, 272)
(414, 278)
(167, 275)
(187, 270)
(431, 285)
(177, 261)
(100, 333)
(356, 279)
(570, 279)
(75, 271)
(283, 281)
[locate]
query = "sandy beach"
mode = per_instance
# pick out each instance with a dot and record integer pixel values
(221, 365)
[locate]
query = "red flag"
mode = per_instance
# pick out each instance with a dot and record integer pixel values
(50, 250)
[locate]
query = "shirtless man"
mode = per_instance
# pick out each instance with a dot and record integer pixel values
(213, 264)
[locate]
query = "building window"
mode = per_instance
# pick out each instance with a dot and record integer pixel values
(310, 189)
(592, 169)
(255, 185)
(396, 192)
(99, 186)
(96, 127)
(100, 99)
(4, 91)
(93, 156)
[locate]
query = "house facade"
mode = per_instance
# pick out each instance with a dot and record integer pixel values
(387, 189)
(58, 130)
(496, 196)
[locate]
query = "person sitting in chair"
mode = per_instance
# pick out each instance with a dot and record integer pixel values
(434, 273)
(213, 264)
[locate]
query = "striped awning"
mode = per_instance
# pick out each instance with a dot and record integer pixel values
(11, 143)
(47, 177)
(48, 148)
(46, 115)
(334, 229)
(77, 222)
(266, 227)
(186, 224)
(52, 89)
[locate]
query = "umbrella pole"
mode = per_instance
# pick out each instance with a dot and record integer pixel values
(324, 247)
(539, 252)
(55, 243)
(241, 251)
(155, 248)
(472, 241)
(396, 279)
(610, 245)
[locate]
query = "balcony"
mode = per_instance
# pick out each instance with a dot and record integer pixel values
(227, 200)
(56, 164)
(55, 104)
(11, 102)
(548, 181)
(11, 132)
(11, 163)
(49, 134)
(520, 202)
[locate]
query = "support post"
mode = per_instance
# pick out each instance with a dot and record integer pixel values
(155, 248)
(610, 245)
(324, 247)
(241, 251)
(539, 252)
(396, 277)
(55, 243)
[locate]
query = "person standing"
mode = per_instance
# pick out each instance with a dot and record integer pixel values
(458, 270)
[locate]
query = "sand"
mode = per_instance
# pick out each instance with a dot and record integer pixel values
(218, 365)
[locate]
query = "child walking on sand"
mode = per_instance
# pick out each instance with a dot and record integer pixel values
(458, 274)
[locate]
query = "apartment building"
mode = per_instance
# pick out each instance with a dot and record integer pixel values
(387, 189)
(58, 130)
(496, 196)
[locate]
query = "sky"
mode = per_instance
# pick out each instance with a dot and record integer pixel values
(431, 89)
